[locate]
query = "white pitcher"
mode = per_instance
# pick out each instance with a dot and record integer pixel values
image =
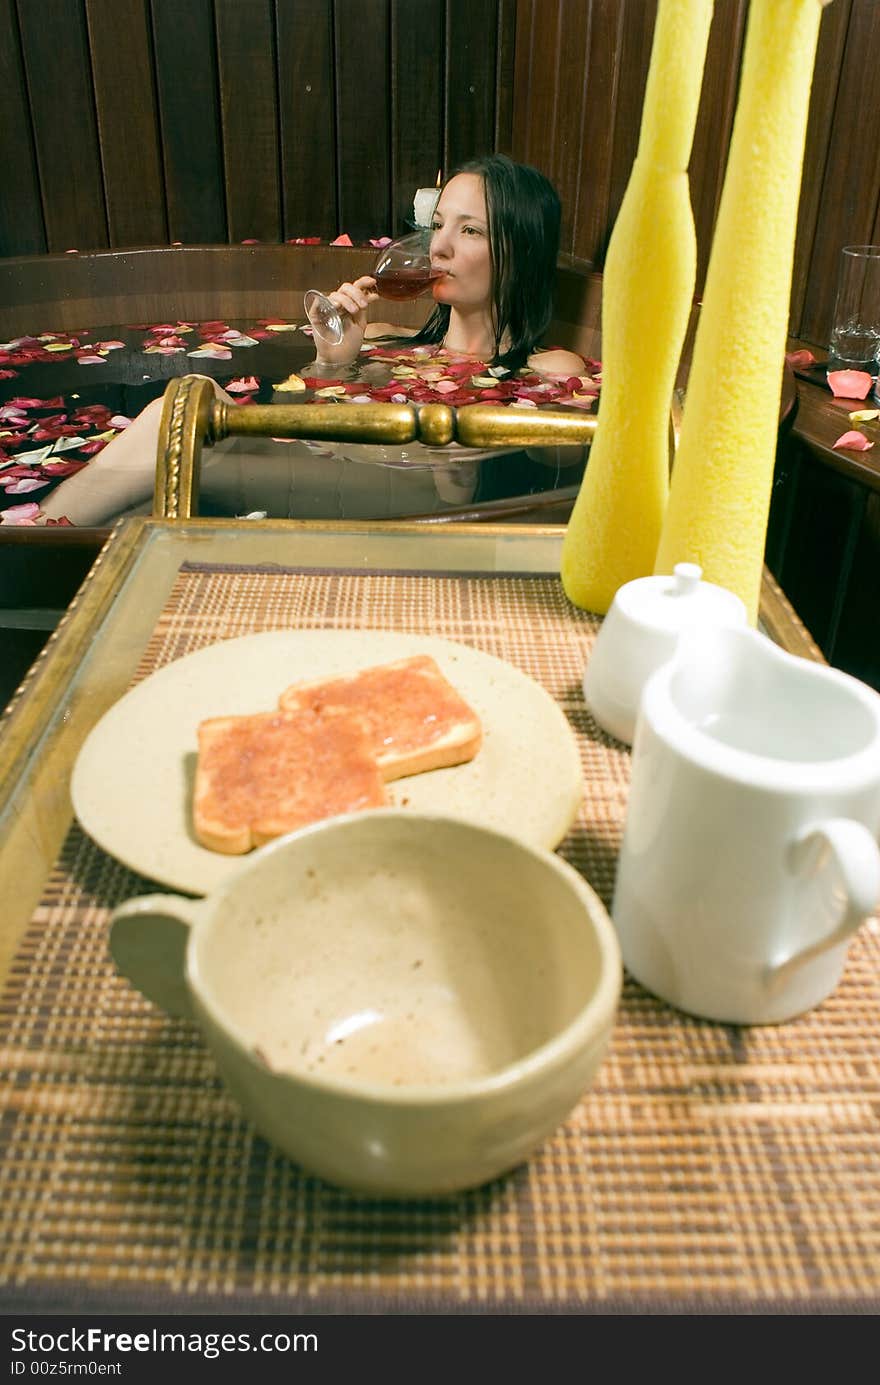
(750, 850)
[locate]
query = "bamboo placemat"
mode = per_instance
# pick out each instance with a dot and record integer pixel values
(709, 1169)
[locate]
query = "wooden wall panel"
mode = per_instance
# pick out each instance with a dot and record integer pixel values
(128, 129)
(850, 195)
(59, 79)
(471, 44)
(505, 60)
(247, 68)
(189, 118)
(593, 222)
(417, 84)
(826, 78)
(363, 115)
(715, 122)
(840, 200)
(21, 214)
(308, 118)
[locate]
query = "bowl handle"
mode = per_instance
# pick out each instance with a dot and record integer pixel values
(148, 938)
(848, 851)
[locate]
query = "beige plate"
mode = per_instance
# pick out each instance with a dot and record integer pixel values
(132, 781)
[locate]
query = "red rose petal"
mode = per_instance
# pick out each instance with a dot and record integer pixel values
(799, 359)
(849, 384)
(344, 239)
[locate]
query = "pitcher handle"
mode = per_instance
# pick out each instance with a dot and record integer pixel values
(148, 938)
(847, 847)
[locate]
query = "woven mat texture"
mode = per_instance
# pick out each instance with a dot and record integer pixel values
(710, 1168)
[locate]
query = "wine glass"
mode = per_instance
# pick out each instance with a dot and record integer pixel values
(403, 271)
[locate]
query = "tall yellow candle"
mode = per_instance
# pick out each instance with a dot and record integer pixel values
(721, 483)
(647, 291)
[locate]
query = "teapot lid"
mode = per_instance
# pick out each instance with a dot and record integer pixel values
(675, 602)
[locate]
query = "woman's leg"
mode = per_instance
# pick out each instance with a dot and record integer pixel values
(122, 475)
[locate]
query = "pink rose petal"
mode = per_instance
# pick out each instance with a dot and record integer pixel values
(24, 484)
(245, 384)
(854, 441)
(344, 239)
(20, 514)
(849, 384)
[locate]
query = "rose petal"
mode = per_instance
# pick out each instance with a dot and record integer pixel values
(23, 485)
(344, 239)
(91, 360)
(854, 441)
(849, 384)
(212, 352)
(20, 514)
(245, 384)
(864, 415)
(294, 383)
(799, 359)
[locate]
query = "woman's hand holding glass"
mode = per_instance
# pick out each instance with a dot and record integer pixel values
(403, 271)
(339, 332)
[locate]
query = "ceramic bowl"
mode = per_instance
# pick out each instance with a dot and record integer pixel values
(405, 1004)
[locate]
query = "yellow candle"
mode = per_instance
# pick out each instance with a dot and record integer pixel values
(647, 292)
(721, 483)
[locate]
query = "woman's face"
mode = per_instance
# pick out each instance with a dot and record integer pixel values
(460, 244)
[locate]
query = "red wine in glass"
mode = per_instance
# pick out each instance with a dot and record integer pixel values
(405, 284)
(402, 271)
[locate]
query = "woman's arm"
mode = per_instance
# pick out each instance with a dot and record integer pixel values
(120, 476)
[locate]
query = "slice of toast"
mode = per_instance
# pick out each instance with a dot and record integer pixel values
(260, 776)
(416, 719)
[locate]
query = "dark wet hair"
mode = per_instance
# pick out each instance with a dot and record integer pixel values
(524, 214)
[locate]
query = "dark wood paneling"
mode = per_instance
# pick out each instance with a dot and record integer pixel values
(363, 115)
(59, 78)
(826, 78)
(715, 123)
(417, 85)
(592, 222)
(189, 115)
(840, 200)
(122, 71)
(471, 39)
(504, 74)
(21, 215)
(848, 203)
(247, 67)
(573, 22)
(635, 54)
(306, 105)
